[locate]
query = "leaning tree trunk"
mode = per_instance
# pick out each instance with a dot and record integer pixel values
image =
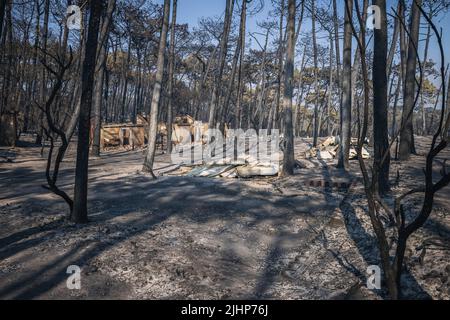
(289, 159)
(407, 134)
(393, 47)
(153, 120)
(380, 101)
(79, 214)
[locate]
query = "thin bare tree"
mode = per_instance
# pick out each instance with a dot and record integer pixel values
(153, 119)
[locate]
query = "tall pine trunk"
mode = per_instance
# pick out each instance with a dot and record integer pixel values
(222, 57)
(100, 78)
(380, 101)
(79, 214)
(289, 159)
(170, 82)
(153, 119)
(407, 134)
(316, 70)
(241, 62)
(346, 106)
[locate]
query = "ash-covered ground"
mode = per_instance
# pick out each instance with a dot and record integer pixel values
(181, 237)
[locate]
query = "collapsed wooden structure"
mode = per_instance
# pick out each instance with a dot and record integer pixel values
(136, 135)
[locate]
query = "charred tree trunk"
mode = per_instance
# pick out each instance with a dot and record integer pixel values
(422, 102)
(380, 101)
(346, 116)
(2, 15)
(7, 113)
(289, 159)
(100, 78)
(336, 39)
(170, 81)
(153, 119)
(222, 57)
(241, 62)
(407, 134)
(316, 84)
(79, 214)
(125, 86)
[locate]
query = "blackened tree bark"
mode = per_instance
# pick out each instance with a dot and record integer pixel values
(229, 92)
(2, 15)
(289, 159)
(425, 58)
(43, 81)
(330, 89)
(126, 78)
(222, 57)
(276, 105)
(7, 115)
(316, 85)
(407, 134)
(170, 81)
(241, 62)
(346, 115)
(238, 55)
(79, 214)
(336, 40)
(393, 47)
(100, 77)
(380, 102)
(153, 120)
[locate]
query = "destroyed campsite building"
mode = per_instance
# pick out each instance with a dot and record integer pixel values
(135, 135)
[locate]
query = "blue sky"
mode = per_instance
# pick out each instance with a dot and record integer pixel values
(190, 11)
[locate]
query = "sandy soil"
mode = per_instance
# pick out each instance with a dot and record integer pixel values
(202, 238)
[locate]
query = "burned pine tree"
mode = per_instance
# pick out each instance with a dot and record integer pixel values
(80, 214)
(100, 71)
(380, 101)
(407, 133)
(289, 159)
(153, 120)
(346, 113)
(171, 77)
(217, 86)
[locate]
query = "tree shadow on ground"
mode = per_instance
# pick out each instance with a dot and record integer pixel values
(197, 199)
(366, 245)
